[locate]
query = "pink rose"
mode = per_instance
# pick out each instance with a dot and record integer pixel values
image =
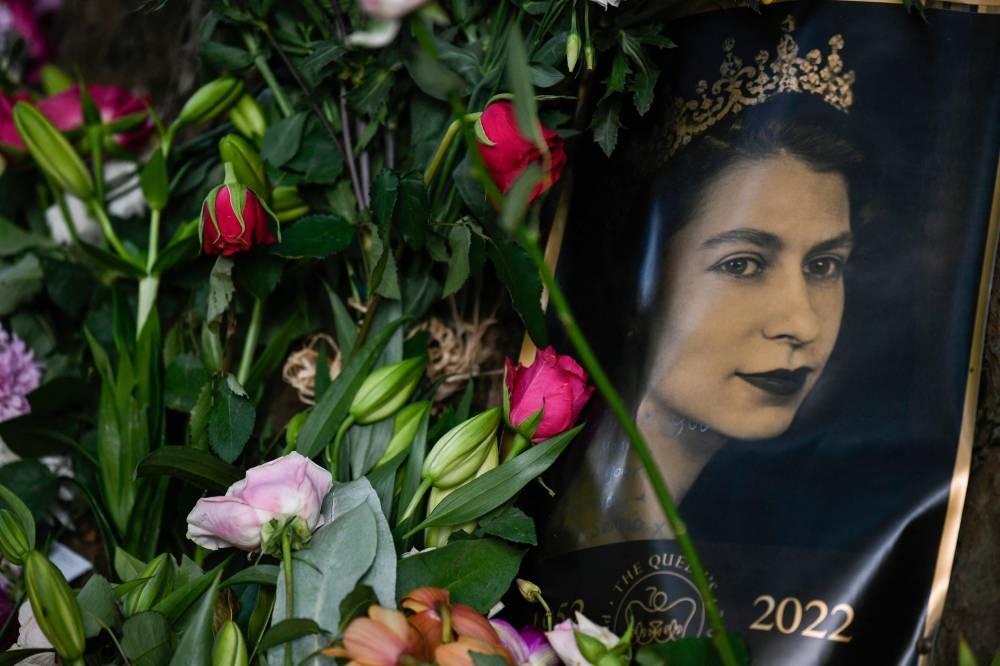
(389, 9)
(512, 152)
(555, 384)
(65, 111)
(226, 232)
(290, 487)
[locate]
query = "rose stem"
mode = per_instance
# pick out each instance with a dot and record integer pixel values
(253, 333)
(520, 444)
(639, 446)
(286, 557)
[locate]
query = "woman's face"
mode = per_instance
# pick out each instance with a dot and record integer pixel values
(754, 295)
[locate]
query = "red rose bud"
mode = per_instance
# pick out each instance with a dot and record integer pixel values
(553, 383)
(511, 152)
(233, 219)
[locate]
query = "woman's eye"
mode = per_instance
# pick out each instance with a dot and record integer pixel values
(824, 268)
(740, 266)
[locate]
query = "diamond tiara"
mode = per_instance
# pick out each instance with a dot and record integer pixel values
(742, 85)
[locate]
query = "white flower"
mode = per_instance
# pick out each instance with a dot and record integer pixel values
(30, 635)
(604, 3)
(563, 641)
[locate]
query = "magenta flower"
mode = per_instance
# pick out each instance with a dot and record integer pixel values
(21, 18)
(19, 375)
(527, 646)
(554, 383)
(289, 489)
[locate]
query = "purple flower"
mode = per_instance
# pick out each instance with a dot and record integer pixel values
(528, 646)
(19, 375)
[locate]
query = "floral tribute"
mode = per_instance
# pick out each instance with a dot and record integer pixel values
(372, 175)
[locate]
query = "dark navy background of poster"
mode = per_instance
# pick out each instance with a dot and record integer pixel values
(848, 505)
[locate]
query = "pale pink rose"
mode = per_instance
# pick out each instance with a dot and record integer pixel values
(563, 640)
(390, 9)
(555, 384)
(284, 488)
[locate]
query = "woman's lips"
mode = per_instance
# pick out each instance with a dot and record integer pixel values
(779, 382)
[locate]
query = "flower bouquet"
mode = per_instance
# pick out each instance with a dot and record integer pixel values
(333, 208)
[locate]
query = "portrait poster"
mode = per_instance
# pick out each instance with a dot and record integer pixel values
(784, 265)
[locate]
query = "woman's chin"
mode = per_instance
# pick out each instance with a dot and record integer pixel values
(754, 427)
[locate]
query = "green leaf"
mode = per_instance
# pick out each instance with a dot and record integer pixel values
(199, 468)
(197, 432)
(510, 523)
(33, 483)
(412, 211)
(147, 639)
(479, 659)
(605, 125)
(21, 511)
(287, 631)
(220, 292)
(230, 421)
(185, 594)
(14, 239)
(356, 604)
(517, 272)
(459, 240)
(644, 87)
(432, 77)
(282, 140)
(154, 182)
(545, 76)
(485, 493)
(19, 282)
(519, 80)
(127, 566)
(260, 574)
(372, 94)
(615, 82)
(384, 276)
(195, 646)
(318, 159)
(385, 190)
(258, 272)
(332, 406)
(343, 324)
(183, 381)
(183, 247)
(690, 652)
(315, 236)
(12, 656)
(315, 67)
(273, 355)
(338, 556)
(98, 606)
(477, 572)
(966, 657)
(222, 57)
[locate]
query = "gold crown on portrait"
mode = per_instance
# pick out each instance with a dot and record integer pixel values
(742, 85)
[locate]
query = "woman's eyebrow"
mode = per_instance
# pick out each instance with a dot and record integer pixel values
(745, 235)
(844, 240)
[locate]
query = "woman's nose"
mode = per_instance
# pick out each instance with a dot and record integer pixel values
(791, 315)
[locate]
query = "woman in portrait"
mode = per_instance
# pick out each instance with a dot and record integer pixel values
(738, 299)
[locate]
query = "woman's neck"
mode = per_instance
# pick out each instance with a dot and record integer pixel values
(680, 447)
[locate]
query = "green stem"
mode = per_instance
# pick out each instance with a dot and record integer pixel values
(638, 442)
(154, 239)
(250, 344)
(286, 558)
(96, 137)
(260, 62)
(109, 233)
(441, 150)
(520, 444)
(425, 485)
(333, 451)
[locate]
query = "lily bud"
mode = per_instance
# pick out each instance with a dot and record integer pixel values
(160, 575)
(572, 50)
(529, 591)
(52, 152)
(386, 390)
(248, 119)
(210, 100)
(589, 57)
(230, 648)
(247, 165)
(54, 605)
(14, 543)
(460, 452)
(287, 204)
(438, 536)
(404, 430)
